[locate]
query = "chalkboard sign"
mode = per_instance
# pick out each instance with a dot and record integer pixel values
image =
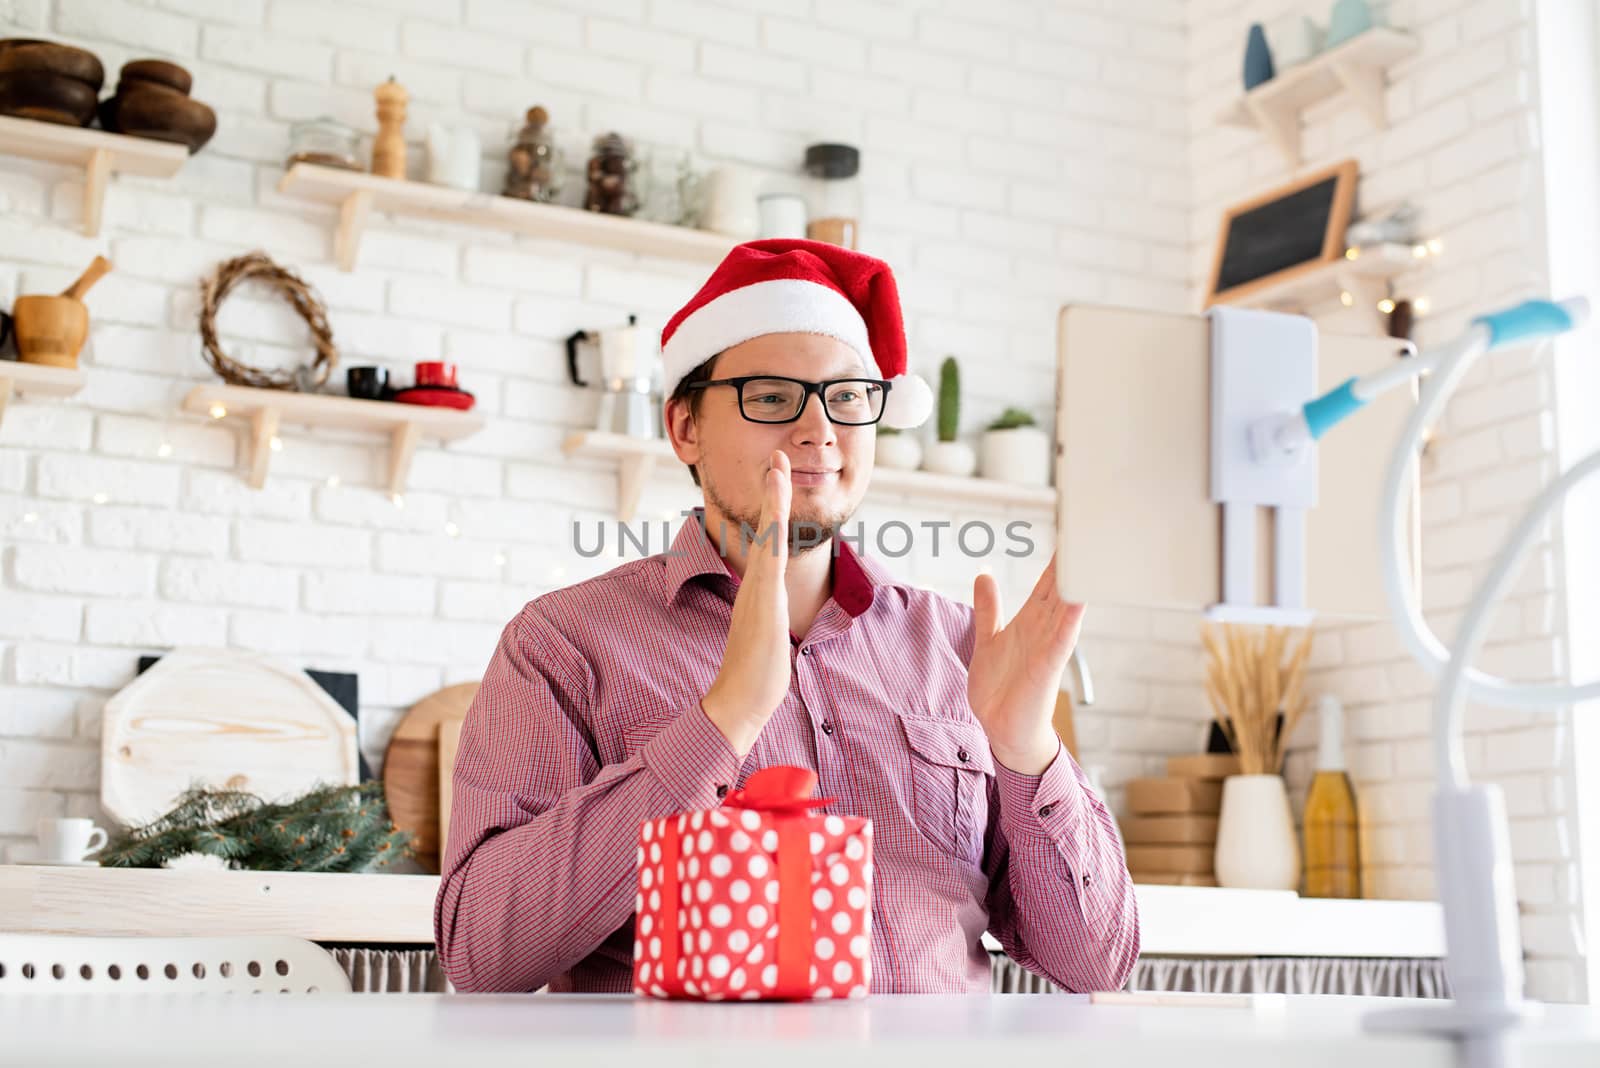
(1289, 230)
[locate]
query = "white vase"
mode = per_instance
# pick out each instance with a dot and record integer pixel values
(902, 452)
(950, 458)
(1256, 846)
(455, 156)
(1020, 454)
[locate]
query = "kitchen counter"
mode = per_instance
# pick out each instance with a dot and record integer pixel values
(1178, 921)
(432, 1030)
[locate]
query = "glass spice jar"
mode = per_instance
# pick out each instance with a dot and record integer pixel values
(613, 177)
(533, 163)
(835, 194)
(324, 141)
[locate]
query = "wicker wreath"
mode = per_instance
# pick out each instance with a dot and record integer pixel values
(257, 266)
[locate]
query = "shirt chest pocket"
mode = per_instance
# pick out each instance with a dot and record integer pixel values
(950, 771)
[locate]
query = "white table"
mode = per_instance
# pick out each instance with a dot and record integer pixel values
(1022, 1031)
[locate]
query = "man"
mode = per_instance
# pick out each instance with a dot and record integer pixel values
(664, 683)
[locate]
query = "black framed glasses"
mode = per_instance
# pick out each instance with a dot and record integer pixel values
(776, 399)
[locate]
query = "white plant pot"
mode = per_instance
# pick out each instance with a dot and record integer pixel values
(1020, 454)
(903, 452)
(1256, 845)
(950, 458)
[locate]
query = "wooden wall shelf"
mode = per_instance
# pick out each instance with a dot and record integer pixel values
(358, 194)
(266, 409)
(38, 378)
(637, 459)
(99, 154)
(1355, 68)
(1366, 276)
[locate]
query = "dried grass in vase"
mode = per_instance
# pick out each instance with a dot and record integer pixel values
(1248, 683)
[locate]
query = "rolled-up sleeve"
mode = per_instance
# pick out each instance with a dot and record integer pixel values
(542, 862)
(1060, 899)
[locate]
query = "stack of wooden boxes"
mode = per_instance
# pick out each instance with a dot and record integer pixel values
(1171, 829)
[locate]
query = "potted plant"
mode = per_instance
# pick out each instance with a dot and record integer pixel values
(897, 449)
(947, 456)
(1014, 449)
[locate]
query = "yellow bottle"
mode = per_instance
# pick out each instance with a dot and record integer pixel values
(1332, 838)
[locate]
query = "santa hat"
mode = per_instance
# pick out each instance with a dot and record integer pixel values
(784, 285)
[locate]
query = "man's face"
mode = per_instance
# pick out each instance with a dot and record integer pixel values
(830, 464)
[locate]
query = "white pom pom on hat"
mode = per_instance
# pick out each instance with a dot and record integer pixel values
(791, 285)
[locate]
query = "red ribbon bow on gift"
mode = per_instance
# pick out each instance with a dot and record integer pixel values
(783, 789)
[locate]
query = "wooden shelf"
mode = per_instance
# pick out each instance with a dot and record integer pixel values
(1366, 276)
(1180, 921)
(637, 459)
(1356, 67)
(266, 409)
(99, 154)
(358, 194)
(37, 378)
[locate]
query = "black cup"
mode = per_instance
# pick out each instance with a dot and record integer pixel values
(368, 383)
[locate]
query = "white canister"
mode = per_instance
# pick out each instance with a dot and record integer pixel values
(730, 203)
(1020, 454)
(782, 215)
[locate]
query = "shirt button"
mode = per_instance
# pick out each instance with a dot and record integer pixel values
(827, 726)
(961, 755)
(722, 790)
(1086, 882)
(1043, 812)
(806, 651)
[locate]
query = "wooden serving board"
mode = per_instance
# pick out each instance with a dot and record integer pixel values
(226, 718)
(411, 768)
(449, 742)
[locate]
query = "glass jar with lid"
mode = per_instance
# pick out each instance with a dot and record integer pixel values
(835, 194)
(326, 142)
(533, 164)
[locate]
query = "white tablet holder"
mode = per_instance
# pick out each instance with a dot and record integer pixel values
(1262, 364)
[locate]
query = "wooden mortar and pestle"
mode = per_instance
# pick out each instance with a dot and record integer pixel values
(52, 329)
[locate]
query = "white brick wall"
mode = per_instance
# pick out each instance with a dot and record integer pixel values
(1463, 146)
(126, 527)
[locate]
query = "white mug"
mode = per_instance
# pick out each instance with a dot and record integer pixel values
(68, 841)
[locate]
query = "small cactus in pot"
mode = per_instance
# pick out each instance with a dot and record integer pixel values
(948, 456)
(1014, 449)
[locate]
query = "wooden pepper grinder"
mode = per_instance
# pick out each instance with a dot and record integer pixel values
(389, 147)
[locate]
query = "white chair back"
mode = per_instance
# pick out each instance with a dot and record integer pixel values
(82, 964)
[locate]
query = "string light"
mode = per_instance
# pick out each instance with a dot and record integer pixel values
(1346, 299)
(277, 443)
(1386, 305)
(1435, 246)
(218, 411)
(452, 530)
(30, 518)
(397, 500)
(1352, 253)
(500, 559)
(1419, 251)
(164, 449)
(1420, 305)
(333, 481)
(557, 574)
(99, 498)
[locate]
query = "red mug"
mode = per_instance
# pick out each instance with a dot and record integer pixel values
(434, 373)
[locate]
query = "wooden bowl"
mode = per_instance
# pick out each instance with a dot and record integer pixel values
(50, 330)
(158, 71)
(159, 112)
(47, 97)
(22, 54)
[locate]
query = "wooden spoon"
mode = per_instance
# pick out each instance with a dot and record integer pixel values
(92, 274)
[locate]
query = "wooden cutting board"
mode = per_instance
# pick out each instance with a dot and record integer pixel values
(411, 768)
(225, 718)
(449, 742)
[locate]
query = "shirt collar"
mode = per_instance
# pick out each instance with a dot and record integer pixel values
(694, 553)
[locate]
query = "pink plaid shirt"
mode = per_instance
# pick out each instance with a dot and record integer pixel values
(588, 722)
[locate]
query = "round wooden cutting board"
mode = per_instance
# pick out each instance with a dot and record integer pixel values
(411, 780)
(225, 718)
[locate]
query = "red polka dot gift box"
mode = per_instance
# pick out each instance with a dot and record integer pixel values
(760, 899)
